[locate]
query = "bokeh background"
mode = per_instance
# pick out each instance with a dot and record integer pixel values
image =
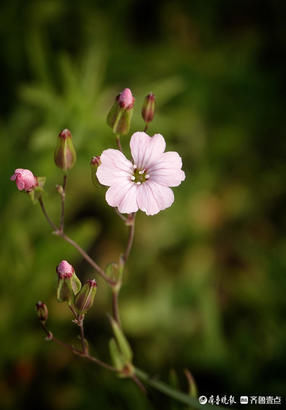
(205, 286)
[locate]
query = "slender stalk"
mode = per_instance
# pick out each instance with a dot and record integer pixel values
(51, 223)
(118, 142)
(146, 126)
(115, 305)
(171, 392)
(120, 215)
(82, 337)
(63, 196)
(130, 238)
(96, 267)
(76, 351)
(139, 383)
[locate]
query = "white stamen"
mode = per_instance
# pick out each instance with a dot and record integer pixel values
(133, 178)
(138, 183)
(147, 176)
(142, 171)
(134, 166)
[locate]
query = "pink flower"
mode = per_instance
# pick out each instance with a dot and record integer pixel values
(65, 269)
(145, 183)
(125, 98)
(25, 179)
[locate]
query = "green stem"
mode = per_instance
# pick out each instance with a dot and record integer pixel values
(175, 394)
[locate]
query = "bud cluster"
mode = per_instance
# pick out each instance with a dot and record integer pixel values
(70, 290)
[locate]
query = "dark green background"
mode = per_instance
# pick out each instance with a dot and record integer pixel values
(205, 287)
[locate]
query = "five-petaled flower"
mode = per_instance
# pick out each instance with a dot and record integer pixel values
(25, 180)
(143, 184)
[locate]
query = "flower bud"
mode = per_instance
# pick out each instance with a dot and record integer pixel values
(94, 164)
(119, 117)
(25, 180)
(65, 155)
(68, 283)
(42, 311)
(84, 299)
(148, 108)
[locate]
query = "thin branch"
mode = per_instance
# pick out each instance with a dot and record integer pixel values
(120, 215)
(75, 351)
(130, 238)
(115, 305)
(96, 267)
(82, 337)
(63, 197)
(118, 143)
(139, 383)
(51, 223)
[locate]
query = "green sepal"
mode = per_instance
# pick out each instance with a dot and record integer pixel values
(121, 341)
(112, 270)
(116, 356)
(85, 298)
(36, 193)
(65, 291)
(119, 119)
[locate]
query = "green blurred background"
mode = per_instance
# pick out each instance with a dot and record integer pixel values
(205, 286)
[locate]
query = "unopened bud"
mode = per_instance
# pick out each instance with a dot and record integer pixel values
(68, 283)
(42, 311)
(25, 180)
(84, 299)
(65, 155)
(94, 164)
(148, 108)
(119, 117)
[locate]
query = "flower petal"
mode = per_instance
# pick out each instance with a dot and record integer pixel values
(123, 196)
(129, 201)
(153, 198)
(146, 150)
(114, 166)
(167, 171)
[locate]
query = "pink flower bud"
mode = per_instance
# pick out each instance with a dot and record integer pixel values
(42, 311)
(95, 161)
(126, 99)
(65, 270)
(68, 283)
(148, 108)
(120, 114)
(25, 180)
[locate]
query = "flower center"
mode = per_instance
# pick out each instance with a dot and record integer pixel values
(139, 175)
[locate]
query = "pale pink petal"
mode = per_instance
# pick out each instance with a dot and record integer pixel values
(153, 198)
(114, 166)
(146, 150)
(167, 170)
(129, 202)
(119, 196)
(20, 183)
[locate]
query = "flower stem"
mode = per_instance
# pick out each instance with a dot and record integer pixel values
(60, 233)
(75, 351)
(63, 196)
(130, 238)
(115, 305)
(82, 337)
(171, 392)
(118, 142)
(146, 127)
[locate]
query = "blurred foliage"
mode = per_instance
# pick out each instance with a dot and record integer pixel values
(205, 287)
